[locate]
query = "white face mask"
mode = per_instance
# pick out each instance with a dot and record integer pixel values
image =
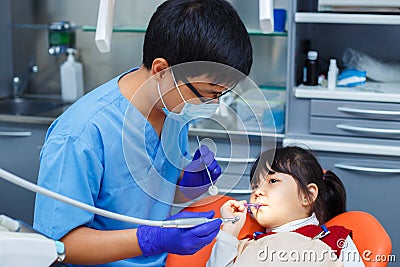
(190, 112)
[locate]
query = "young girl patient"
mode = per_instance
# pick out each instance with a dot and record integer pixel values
(293, 199)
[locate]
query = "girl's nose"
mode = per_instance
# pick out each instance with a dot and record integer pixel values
(259, 192)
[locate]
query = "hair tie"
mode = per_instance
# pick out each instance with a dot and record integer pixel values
(324, 171)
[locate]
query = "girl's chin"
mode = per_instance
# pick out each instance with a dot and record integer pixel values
(260, 216)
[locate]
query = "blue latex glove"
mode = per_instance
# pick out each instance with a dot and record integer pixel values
(183, 241)
(195, 177)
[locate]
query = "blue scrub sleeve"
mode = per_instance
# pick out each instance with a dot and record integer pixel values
(72, 168)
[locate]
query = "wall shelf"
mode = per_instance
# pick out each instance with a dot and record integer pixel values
(116, 29)
(143, 30)
(259, 32)
(342, 18)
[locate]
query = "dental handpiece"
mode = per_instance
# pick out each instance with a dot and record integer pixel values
(192, 222)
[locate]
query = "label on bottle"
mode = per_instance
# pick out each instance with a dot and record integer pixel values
(311, 73)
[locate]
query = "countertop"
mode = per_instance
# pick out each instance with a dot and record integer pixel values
(40, 120)
(208, 129)
(41, 117)
(193, 131)
(373, 91)
(44, 119)
(47, 120)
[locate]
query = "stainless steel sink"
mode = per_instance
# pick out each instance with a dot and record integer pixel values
(32, 107)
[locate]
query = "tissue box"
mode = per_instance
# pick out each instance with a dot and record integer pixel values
(263, 110)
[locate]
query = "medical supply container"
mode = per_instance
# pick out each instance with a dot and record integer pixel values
(71, 73)
(332, 74)
(310, 70)
(262, 109)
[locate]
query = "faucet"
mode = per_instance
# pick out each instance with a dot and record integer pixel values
(20, 82)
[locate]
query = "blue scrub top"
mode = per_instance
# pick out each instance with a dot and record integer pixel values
(83, 158)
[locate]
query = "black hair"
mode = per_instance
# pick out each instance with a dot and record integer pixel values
(198, 30)
(305, 169)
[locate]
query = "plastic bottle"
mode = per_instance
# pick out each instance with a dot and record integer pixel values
(71, 78)
(332, 74)
(311, 69)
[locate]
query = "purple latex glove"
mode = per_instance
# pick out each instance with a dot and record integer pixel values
(195, 180)
(154, 240)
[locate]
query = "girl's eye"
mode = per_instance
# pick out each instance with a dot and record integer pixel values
(272, 181)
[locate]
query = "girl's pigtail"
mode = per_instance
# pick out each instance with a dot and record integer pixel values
(336, 195)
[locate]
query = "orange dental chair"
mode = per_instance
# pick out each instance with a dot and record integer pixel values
(200, 258)
(368, 234)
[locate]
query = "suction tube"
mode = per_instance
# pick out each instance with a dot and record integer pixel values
(178, 223)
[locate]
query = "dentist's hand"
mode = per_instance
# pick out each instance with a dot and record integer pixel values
(195, 180)
(154, 240)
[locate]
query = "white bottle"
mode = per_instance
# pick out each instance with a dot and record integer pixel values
(332, 74)
(71, 78)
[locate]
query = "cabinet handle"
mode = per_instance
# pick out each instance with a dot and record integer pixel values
(236, 160)
(366, 169)
(369, 111)
(235, 191)
(367, 130)
(16, 134)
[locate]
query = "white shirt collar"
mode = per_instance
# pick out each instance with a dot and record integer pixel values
(293, 225)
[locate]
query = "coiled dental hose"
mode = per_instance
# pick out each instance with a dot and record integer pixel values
(177, 223)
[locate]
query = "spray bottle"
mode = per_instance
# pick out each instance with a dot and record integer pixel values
(71, 78)
(332, 74)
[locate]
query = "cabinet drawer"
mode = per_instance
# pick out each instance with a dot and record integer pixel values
(20, 146)
(353, 127)
(353, 109)
(236, 168)
(235, 156)
(372, 185)
(234, 183)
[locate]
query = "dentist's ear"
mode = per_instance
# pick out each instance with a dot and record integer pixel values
(158, 67)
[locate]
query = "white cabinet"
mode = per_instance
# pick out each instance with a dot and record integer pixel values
(354, 133)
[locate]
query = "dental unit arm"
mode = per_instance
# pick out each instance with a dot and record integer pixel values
(104, 26)
(178, 223)
(21, 245)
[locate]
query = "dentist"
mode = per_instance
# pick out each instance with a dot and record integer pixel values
(123, 147)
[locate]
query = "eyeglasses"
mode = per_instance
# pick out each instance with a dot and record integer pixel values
(202, 98)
